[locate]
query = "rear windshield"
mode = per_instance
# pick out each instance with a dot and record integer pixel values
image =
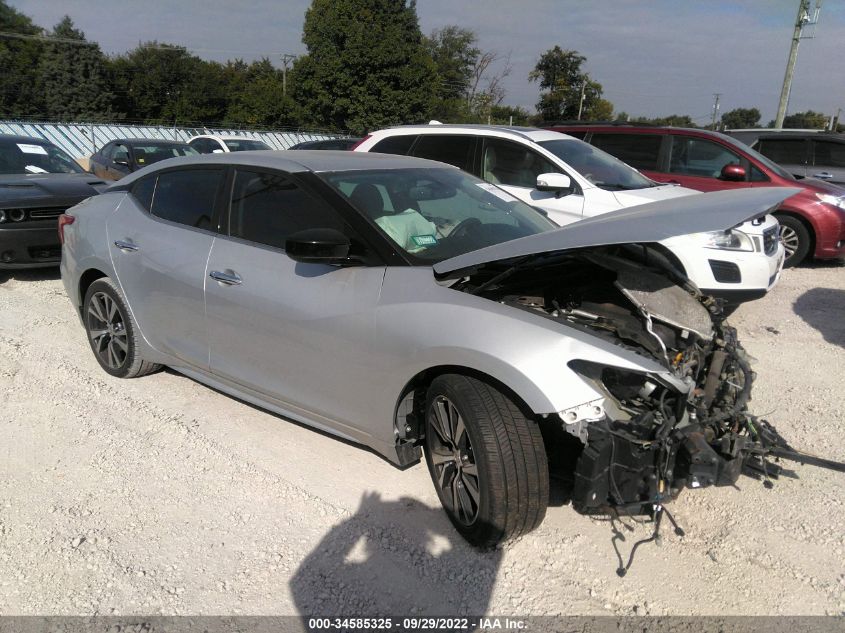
(245, 145)
(150, 153)
(35, 157)
(600, 168)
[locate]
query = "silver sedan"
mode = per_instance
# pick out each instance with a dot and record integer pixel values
(410, 307)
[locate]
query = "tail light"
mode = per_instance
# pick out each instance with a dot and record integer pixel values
(64, 220)
(352, 149)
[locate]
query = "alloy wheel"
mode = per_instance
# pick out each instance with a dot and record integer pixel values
(790, 240)
(453, 461)
(107, 330)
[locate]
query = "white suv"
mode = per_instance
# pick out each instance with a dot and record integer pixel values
(571, 180)
(213, 144)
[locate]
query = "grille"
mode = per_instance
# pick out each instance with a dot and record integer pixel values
(45, 253)
(770, 239)
(45, 214)
(725, 272)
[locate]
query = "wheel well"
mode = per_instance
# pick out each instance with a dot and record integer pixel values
(413, 415)
(88, 277)
(807, 225)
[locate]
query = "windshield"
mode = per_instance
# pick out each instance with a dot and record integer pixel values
(245, 145)
(150, 153)
(35, 157)
(600, 168)
(435, 214)
(780, 171)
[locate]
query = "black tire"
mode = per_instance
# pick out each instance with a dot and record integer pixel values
(796, 240)
(111, 331)
(501, 445)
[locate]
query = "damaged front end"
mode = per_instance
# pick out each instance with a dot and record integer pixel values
(653, 434)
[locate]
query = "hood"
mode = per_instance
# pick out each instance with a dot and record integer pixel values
(716, 211)
(27, 190)
(634, 197)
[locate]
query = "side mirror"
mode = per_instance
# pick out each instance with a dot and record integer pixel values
(217, 151)
(121, 161)
(560, 184)
(733, 173)
(318, 246)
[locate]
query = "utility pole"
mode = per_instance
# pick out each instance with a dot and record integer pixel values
(287, 58)
(716, 96)
(804, 18)
(583, 91)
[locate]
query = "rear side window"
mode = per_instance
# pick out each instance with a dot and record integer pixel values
(791, 151)
(268, 207)
(395, 144)
(640, 151)
(829, 154)
(143, 191)
(452, 149)
(187, 197)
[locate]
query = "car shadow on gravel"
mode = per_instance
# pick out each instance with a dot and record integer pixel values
(29, 274)
(394, 558)
(824, 309)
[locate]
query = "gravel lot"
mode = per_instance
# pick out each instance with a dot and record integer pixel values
(159, 495)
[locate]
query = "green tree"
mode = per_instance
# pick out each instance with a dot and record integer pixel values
(258, 96)
(19, 61)
(808, 120)
(366, 65)
(163, 83)
(562, 84)
(505, 114)
(739, 118)
(74, 81)
(455, 54)
(673, 120)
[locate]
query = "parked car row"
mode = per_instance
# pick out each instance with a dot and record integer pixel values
(811, 221)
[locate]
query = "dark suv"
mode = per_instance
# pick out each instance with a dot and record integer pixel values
(803, 153)
(812, 222)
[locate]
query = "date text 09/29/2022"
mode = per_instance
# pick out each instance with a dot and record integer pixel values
(416, 624)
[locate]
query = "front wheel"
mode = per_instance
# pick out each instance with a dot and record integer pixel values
(486, 459)
(795, 238)
(112, 331)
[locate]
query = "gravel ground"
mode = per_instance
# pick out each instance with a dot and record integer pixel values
(161, 496)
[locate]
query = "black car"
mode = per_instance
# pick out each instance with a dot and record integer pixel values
(803, 153)
(38, 181)
(329, 143)
(123, 156)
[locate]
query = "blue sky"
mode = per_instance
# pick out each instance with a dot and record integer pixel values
(653, 57)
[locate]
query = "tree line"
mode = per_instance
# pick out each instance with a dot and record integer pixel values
(368, 65)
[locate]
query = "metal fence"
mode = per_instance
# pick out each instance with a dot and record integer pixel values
(80, 140)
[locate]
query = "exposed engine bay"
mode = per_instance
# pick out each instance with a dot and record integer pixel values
(652, 435)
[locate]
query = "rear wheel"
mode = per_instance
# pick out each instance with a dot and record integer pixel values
(486, 459)
(111, 331)
(795, 238)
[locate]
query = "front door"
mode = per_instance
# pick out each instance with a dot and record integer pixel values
(299, 333)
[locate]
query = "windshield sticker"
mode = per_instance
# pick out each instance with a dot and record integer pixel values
(424, 240)
(499, 193)
(31, 149)
(35, 169)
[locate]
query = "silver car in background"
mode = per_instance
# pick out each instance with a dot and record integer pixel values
(406, 305)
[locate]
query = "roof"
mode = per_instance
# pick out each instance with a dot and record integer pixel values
(221, 137)
(148, 141)
(527, 133)
(292, 161)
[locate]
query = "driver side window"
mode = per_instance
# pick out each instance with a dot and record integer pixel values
(508, 163)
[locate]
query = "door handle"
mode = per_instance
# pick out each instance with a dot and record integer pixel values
(823, 175)
(126, 247)
(225, 278)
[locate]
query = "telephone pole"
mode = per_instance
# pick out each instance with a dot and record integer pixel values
(287, 58)
(583, 94)
(716, 97)
(804, 18)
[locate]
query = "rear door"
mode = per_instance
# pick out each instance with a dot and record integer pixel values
(160, 239)
(828, 161)
(789, 152)
(299, 333)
